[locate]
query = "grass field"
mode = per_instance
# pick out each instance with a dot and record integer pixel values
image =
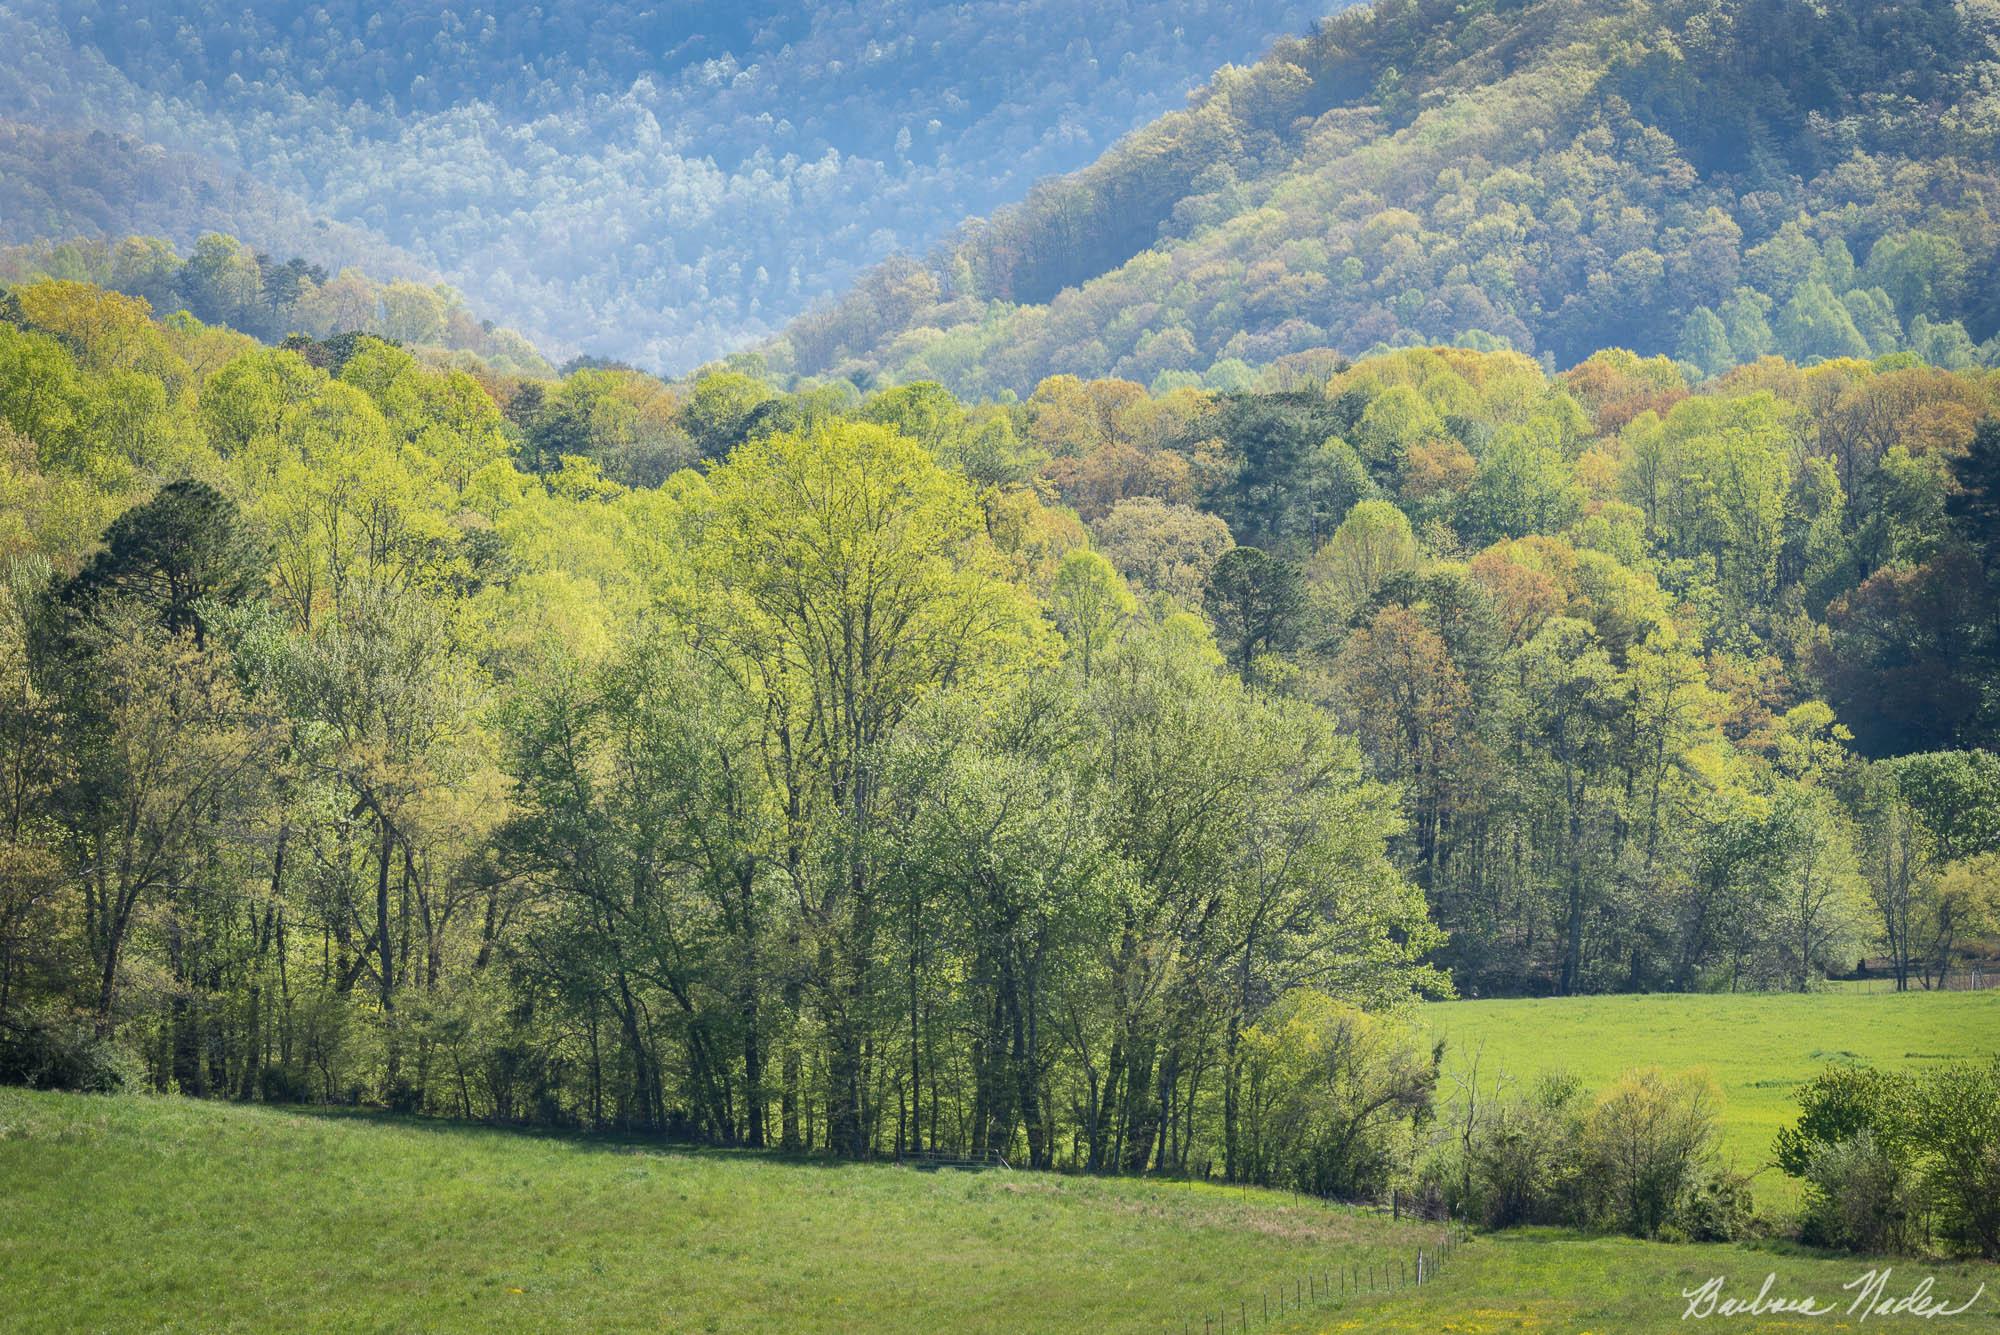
(122, 1214)
(143, 1213)
(1758, 1047)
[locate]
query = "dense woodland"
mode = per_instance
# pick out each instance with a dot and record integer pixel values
(652, 182)
(1085, 776)
(1716, 180)
(222, 281)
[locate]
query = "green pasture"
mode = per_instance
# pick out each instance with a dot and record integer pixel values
(140, 1213)
(1758, 1047)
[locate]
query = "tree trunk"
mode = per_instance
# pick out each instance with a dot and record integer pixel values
(386, 952)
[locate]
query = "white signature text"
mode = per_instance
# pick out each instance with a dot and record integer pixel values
(1870, 1297)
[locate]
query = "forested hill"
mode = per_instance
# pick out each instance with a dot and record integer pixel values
(1714, 179)
(64, 184)
(223, 281)
(652, 182)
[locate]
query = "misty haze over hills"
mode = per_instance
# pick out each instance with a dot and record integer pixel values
(657, 184)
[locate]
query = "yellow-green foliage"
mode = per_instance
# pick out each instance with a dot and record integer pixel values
(636, 770)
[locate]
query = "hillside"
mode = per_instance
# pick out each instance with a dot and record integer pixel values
(63, 184)
(133, 1213)
(222, 281)
(656, 183)
(1710, 180)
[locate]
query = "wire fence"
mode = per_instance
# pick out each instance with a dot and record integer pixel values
(1328, 1286)
(966, 1159)
(1333, 1283)
(1978, 978)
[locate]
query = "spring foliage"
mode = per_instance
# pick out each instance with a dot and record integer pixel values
(798, 767)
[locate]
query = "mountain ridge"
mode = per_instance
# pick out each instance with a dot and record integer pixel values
(1554, 175)
(658, 184)
(69, 184)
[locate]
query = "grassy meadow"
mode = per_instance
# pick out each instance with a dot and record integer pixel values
(139, 1213)
(1758, 1047)
(134, 1213)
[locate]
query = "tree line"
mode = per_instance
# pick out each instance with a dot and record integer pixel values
(222, 281)
(779, 804)
(805, 768)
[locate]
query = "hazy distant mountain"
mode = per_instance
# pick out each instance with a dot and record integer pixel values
(1715, 179)
(60, 184)
(655, 182)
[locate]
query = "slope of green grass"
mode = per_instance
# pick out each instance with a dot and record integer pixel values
(124, 1214)
(145, 1213)
(1758, 1047)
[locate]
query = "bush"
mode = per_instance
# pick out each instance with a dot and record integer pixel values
(1860, 1196)
(1637, 1160)
(65, 1052)
(1836, 1105)
(1885, 1157)
(1955, 1122)
(1522, 1165)
(1720, 1208)
(1331, 1097)
(1649, 1149)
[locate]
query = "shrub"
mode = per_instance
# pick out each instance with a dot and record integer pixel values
(1720, 1208)
(1860, 1195)
(1649, 1143)
(1852, 1148)
(1955, 1122)
(1882, 1154)
(1638, 1159)
(1834, 1106)
(1331, 1095)
(1522, 1166)
(65, 1052)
